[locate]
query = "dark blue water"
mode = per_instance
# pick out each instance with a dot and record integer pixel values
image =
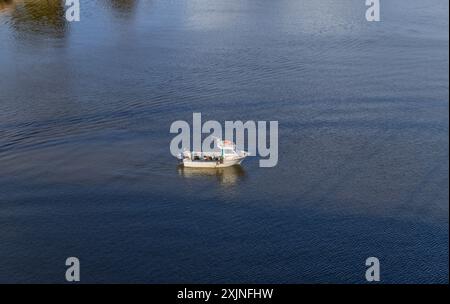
(85, 168)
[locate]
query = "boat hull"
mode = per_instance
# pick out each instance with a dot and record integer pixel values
(211, 164)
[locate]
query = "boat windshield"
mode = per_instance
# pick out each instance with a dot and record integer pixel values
(228, 151)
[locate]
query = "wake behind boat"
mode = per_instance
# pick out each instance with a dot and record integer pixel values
(226, 155)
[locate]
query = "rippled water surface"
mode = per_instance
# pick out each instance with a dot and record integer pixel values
(85, 168)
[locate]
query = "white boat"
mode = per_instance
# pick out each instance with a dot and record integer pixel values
(226, 155)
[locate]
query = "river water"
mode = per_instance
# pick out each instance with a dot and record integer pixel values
(85, 168)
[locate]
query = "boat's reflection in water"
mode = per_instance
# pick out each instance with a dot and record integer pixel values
(225, 176)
